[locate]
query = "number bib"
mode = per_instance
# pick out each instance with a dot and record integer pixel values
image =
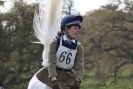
(65, 56)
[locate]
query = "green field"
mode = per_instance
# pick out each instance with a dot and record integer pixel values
(124, 81)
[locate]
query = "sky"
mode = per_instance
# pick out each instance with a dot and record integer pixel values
(82, 6)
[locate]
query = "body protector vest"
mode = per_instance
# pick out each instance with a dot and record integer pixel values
(66, 53)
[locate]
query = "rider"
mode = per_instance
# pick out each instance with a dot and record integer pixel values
(65, 58)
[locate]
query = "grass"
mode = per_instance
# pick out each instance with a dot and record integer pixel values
(90, 82)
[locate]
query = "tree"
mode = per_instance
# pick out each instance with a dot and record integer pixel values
(20, 57)
(2, 2)
(123, 6)
(68, 7)
(107, 37)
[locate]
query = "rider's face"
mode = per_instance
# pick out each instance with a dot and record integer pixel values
(73, 31)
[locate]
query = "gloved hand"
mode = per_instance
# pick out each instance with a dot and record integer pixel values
(76, 85)
(55, 84)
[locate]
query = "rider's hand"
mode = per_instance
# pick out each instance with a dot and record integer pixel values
(55, 83)
(76, 85)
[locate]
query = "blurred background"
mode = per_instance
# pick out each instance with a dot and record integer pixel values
(107, 37)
